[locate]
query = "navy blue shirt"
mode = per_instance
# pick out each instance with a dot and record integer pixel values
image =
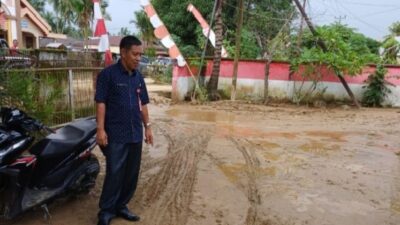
(123, 95)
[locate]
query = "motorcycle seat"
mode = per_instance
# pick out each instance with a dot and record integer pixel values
(65, 140)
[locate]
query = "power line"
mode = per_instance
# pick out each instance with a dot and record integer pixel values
(359, 19)
(257, 14)
(381, 12)
(368, 4)
(338, 7)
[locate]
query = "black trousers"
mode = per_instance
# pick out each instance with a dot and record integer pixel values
(122, 173)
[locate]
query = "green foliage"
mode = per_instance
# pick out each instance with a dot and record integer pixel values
(339, 34)
(124, 31)
(376, 88)
(395, 28)
(266, 25)
(164, 76)
(68, 15)
(59, 25)
(142, 22)
(391, 49)
(313, 73)
(347, 51)
(190, 50)
(33, 94)
(187, 50)
(201, 94)
(39, 5)
(226, 93)
(263, 20)
(248, 46)
(373, 45)
(150, 51)
(391, 45)
(201, 44)
(179, 21)
(196, 62)
(168, 75)
(266, 19)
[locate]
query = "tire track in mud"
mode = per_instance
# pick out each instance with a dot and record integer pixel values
(252, 170)
(395, 200)
(167, 194)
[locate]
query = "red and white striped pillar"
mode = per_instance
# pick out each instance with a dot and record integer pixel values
(206, 28)
(101, 32)
(161, 32)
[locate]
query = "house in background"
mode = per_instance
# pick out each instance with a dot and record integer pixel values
(70, 43)
(114, 46)
(19, 20)
(160, 50)
(92, 44)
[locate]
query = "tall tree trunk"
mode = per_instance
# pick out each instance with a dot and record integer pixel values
(213, 83)
(266, 78)
(237, 50)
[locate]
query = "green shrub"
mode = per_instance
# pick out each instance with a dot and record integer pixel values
(376, 88)
(201, 94)
(26, 90)
(164, 75)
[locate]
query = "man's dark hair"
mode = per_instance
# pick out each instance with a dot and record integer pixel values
(128, 41)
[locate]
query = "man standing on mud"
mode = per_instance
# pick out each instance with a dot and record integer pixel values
(122, 99)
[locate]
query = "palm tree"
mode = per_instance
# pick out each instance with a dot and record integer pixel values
(391, 50)
(63, 15)
(395, 28)
(146, 30)
(78, 12)
(57, 25)
(124, 31)
(84, 14)
(213, 83)
(39, 5)
(391, 44)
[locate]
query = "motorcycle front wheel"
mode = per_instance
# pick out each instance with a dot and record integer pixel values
(4, 181)
(86, 176)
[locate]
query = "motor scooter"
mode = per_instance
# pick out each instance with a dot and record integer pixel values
(34, 173)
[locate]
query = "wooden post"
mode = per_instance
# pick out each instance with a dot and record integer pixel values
(237, 50)
(71, 93)
(18, 21)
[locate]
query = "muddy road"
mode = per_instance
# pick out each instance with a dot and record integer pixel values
(242, 164)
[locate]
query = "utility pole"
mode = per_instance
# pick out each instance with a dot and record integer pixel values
(300, 35)
(340, 18)
(237, 50)
(200, 78)
(322, 44)
(18, 22)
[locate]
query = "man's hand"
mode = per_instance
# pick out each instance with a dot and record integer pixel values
(101, 138)
(148, 135)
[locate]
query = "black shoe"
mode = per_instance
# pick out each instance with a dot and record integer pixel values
(126, 214)
(105, 218)
(104, 221)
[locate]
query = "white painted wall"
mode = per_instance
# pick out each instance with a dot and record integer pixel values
(251, 88)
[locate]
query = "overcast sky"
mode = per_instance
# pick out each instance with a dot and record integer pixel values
(370, 17)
